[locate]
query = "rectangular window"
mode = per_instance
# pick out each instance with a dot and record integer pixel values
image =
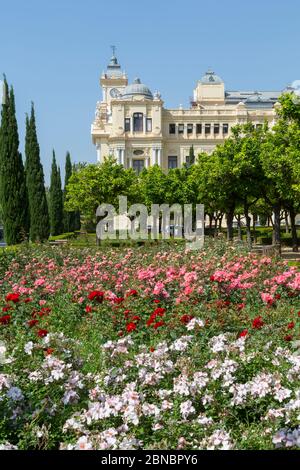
(207, 129)
(172, 128)
(138, 122)
(172, 162)
(138, 165)
(199, 128)
(216, 129)
(148, 125)
(180, 128)
(190, 128)
(225, 128)
(127, 124)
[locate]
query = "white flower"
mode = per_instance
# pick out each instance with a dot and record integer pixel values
(193, 323)
(28, 348)
(186, 408)
(83, 444)
(15, 394)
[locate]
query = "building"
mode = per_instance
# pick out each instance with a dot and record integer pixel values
(132, 123)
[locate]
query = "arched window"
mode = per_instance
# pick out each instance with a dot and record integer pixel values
(138, 122)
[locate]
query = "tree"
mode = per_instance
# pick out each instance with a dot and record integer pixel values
(13, 191)
(38, 207)
(69, 217)
(56, 200)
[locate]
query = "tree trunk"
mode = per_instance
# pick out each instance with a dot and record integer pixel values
(276, 228)
(230, 215)
(294, 231)
(210, 224)
(286, 218)
(220, 222)
(239, 228)
(248, 226)
(254, 228)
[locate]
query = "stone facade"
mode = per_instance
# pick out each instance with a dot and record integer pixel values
(132, 124)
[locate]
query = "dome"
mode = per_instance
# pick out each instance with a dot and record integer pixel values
(211, 78)
(137, 88)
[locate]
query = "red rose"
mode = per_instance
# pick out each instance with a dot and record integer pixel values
(257, 323)
(96, 295)
(5, 319)
(49, 351)
(88, 309)
(118, 300)
(241, 306)
(136, 318)
(132, 293)
(32, 323)
(152, 349)
(44, 312)
(243, 333)
(288, 338)
(291, 325)
(159, 311)
(158, 324)
(6, 309)
(42, 333)
(156, 301)
(186, 319)
(131, 327)
(26, 301)
(12, 298)
(277, 296)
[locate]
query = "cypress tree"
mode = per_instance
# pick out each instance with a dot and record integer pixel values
(56, 200)
(38, 207)
(13, 192)
(69, 217)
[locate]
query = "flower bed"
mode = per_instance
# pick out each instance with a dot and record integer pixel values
(152, 349)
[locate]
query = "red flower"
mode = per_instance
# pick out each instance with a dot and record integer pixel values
(49, 351)
(26, 301)
(277, 296)
(159, 311)
(152, 349)
(42, 333)
(257, 323)
(298, 313)
(6, 309)
(158, 324)
(291, 325)
(156, 301)
(96, 295)
(212, 278)
(241, 306)
(136, 318)
(12, 298)
(88, 309)
(131, 327)
(243, 333)
(118, 300)
(127, 313)
(186, 319)
(32, 323)
(5, 319)
(120, 333)
(288, 338)
(44, 312)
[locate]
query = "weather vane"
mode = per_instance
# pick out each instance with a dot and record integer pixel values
(113, 48)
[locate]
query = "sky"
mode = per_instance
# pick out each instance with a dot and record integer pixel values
(53, 53)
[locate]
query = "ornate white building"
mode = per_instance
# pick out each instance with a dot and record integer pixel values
(132, 124)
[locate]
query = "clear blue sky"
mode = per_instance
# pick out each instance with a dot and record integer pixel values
(54, 51)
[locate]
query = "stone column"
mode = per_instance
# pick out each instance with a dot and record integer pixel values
(98, 147)
(153, 156)
(159, 157)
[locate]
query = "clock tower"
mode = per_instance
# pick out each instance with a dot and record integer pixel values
(113, 80)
